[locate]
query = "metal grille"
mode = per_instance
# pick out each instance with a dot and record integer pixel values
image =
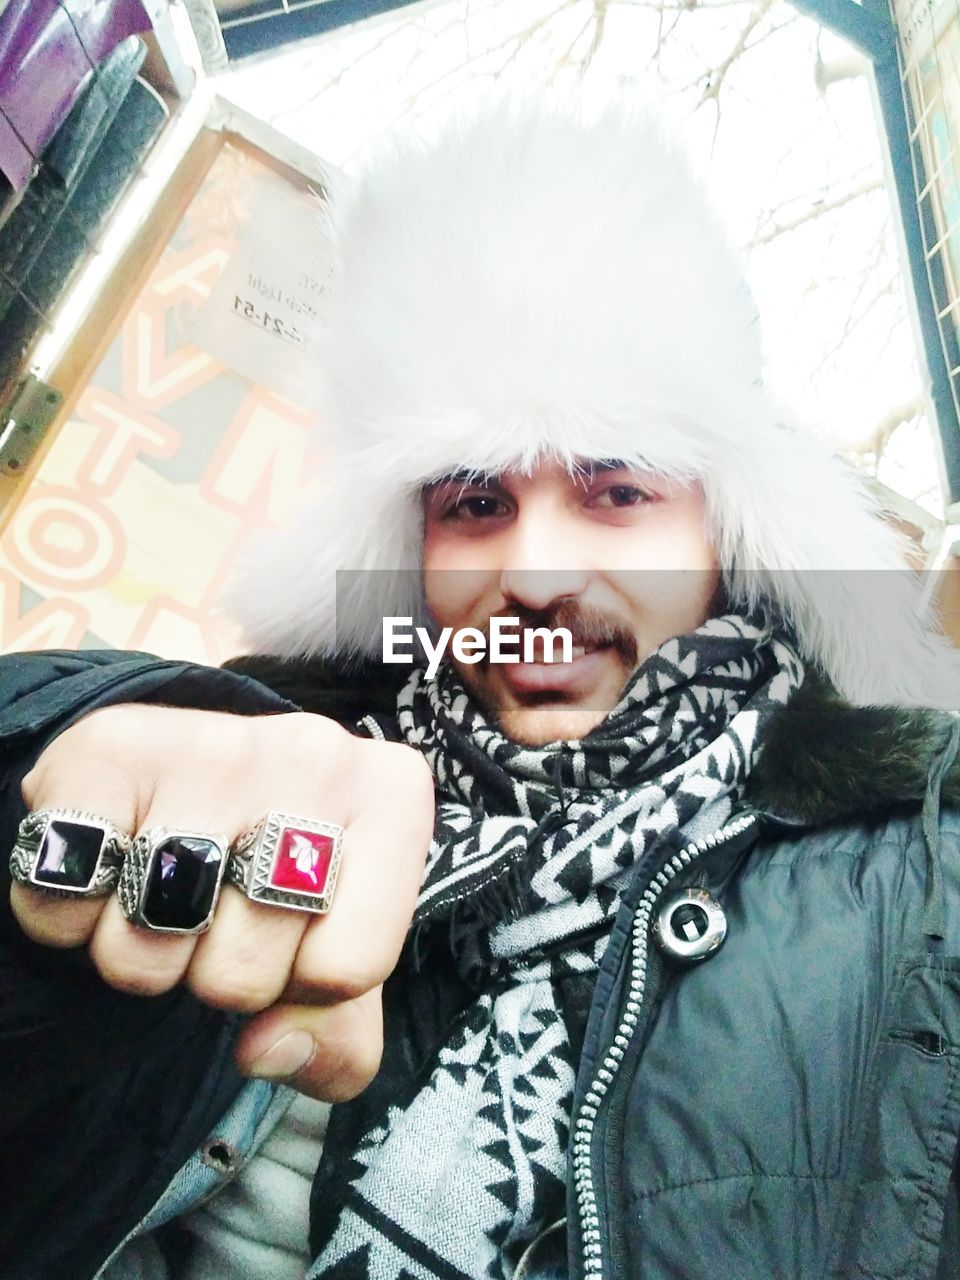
(929, 53)
(49, 229)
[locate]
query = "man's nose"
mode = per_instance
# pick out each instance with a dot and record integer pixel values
(538, 589)
(541, 565)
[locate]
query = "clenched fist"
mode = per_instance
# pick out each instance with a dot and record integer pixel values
(312, 982)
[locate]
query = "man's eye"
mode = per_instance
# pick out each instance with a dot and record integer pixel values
(477, 506)
(621, 495)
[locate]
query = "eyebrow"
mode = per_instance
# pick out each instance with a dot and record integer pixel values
(585, 469)
(465, 476)
(590, 469)
(598, 466)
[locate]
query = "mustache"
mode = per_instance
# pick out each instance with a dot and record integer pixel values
(589, 627)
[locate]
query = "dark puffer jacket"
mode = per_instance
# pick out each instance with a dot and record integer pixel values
(790, 1107)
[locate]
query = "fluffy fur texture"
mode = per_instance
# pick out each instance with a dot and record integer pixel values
(540, 283)
(825, 761)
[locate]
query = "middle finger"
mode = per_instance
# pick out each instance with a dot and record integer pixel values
(244, 961)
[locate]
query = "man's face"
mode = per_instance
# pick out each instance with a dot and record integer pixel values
(617, 556)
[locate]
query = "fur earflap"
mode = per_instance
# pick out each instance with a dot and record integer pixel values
(544, 283)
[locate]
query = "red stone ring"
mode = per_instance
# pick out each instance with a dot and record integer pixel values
(288, 861)
(171, 879)
(68, 853)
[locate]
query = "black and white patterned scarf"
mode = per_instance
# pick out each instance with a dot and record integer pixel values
(532, 849)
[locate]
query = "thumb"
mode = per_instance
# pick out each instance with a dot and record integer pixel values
(330, 1052)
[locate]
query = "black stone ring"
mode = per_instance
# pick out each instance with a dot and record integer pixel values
(171, 879)
(68, 853)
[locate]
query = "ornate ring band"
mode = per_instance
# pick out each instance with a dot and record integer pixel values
(171, 879)
(288, 861)
(68, 852)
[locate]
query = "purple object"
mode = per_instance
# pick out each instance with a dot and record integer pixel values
(47, 50)
(69, 854)
(183, 881)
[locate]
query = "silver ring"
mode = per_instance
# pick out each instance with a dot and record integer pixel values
(288, 861)
(171, 879)
(68, 853)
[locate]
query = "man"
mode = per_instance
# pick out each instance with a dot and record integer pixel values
(679, 993)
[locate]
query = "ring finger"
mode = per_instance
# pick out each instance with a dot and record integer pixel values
(147, 934)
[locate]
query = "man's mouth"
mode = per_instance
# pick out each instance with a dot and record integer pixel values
(567, 678)
(540, 656)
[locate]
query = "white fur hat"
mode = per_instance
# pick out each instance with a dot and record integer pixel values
(544, 282)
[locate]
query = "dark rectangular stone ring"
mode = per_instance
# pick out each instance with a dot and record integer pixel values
(171, 879)
(68, 852)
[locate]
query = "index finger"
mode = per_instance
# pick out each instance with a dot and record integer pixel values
(355, 947)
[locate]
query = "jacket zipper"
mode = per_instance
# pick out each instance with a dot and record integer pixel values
(583, 1133)
(372, 727)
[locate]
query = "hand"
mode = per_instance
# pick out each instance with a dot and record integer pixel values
(312, 982)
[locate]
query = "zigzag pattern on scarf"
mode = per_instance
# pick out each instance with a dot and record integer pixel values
(532, 850)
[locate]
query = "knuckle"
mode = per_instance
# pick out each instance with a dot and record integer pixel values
(225, 744)
(50, 922)
(350, 986)
(413, 768)
(32, 785)
(245, 991)
(110, 736)
(419, 800)
(133, 978)
(346, 1064)
(349, 983)
(404, 771)
(359, 1069)
(302, 731)
(108, 731)
(40, 929)
(303, 746)
(415, 776)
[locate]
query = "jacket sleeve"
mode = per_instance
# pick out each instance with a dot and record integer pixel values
(52, 1004)
(101, 1090)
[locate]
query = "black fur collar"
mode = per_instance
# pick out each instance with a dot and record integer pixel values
(825, 761)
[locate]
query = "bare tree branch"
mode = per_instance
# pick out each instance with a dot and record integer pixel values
(566, 59)
(715, 82)
(876, 442)
(817, 210)
(599, 29)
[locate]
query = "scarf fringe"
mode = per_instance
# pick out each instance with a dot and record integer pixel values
(503, 898)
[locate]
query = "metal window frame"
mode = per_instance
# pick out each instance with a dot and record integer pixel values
(870, 28)
(270, 23)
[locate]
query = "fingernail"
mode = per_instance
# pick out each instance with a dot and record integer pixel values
(289, 1055)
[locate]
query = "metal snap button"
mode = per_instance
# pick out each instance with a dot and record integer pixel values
(690, 925)
(220, 1156)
